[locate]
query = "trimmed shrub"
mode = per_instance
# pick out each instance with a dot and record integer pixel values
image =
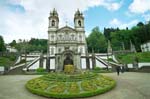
(40, 70)
(97, 68)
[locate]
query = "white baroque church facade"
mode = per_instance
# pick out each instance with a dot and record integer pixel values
(66, 42)
(66, 46)
(59, 38)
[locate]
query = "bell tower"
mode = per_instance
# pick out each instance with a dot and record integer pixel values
(52, 28)
(78, 20)
(53, 20)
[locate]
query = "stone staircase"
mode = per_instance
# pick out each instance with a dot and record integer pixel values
(33, 62)
(17, 70)
(111, 65)
(102, 61)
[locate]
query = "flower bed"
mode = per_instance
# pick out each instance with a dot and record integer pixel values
(48, 86)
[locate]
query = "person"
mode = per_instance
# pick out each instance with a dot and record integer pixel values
(118, 70)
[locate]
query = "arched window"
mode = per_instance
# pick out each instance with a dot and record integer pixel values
(79, 22)
(53, 22)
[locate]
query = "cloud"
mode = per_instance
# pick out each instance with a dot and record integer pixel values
(129, 24)
(139, 6)
(146, 17)
(113, 6)
(116, 23)
(23, 19)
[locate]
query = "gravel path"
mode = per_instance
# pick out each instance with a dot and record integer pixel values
(129, 86)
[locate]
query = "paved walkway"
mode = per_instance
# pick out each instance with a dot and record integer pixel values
(129, 86)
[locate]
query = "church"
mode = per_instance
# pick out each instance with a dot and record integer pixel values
(66, 45)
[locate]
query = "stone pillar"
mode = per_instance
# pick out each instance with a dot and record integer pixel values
(48, 63)
(87, 61)
(78, 61)
(93, 61)
(41, 61)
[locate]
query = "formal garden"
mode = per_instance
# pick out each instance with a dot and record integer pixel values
(61, 85)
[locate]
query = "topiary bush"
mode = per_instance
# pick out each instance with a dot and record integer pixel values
(49, 87)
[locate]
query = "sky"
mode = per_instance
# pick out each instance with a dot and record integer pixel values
(26, 19)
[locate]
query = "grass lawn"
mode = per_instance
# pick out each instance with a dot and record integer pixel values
(128, 58)
(7, 61)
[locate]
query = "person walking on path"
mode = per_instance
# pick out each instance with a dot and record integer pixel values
(118, 70)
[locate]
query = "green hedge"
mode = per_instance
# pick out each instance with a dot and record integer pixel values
(101, 71)
(70, 95)
(96, 86)
(40, 70)
(71, 78)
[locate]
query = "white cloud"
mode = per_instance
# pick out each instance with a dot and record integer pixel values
(146, 17)
(112, 6)
(129, 24)
(116, 23)
(33, 22)
(140, 6)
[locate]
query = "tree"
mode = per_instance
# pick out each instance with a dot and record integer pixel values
(32, 45)
(108, 31)
(13, 43)
(2, 44)
(121, 39)
(96, 41)
(140, 24)
(138, 34)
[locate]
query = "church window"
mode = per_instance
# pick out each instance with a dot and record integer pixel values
(59, 50)
(60, 37)
(80, 37)
(52, 51)
(81, 50)
(52, 37)
(63, 37)
(53, 22)
(72, 36)
(79, 22)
